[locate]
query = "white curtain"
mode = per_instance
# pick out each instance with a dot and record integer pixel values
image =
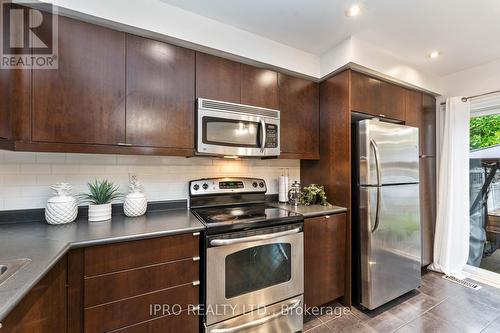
(451, 242)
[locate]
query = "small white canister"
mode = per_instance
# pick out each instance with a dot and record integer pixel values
(135, 203)
(61, 208)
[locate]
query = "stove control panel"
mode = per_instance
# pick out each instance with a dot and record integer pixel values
(214, 186)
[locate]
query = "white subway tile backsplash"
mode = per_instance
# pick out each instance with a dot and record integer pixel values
(38, 169)
(18, 157)
(25, 177)
(50, 158)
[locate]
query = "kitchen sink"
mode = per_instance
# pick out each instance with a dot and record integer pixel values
(9, 268)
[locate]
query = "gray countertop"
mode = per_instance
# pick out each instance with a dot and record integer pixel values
(311, 211)
(45, 244)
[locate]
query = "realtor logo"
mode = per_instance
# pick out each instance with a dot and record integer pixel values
(28, 37)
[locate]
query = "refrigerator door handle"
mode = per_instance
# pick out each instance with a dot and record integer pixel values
(374, 145)
(376, 153)
(377, 211)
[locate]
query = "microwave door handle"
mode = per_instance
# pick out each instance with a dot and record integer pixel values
(263, 136)
(222, 242)
(293, 304)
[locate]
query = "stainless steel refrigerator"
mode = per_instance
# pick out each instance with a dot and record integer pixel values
(386, 219)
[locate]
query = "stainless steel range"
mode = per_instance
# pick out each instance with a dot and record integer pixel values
(254, 258)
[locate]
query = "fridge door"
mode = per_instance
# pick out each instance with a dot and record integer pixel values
(390, 242)
(395, 146)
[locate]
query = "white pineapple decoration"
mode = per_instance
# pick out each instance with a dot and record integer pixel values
(61, 208)
(135, 203)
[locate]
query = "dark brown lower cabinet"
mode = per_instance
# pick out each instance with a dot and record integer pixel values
(43, 309)
(119, 284)
(324, 259)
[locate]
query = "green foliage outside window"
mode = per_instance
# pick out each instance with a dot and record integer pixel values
(484, 131)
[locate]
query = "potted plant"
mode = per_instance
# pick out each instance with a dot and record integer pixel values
(101, 194)
(313, 195)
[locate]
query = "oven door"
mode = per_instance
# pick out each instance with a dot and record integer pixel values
(236, 134)
(252, 269)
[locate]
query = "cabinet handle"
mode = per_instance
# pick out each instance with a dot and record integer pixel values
(327, 216)
(196, 234)
(382, 115)
(124, 144)
(196, 283)
(196, 258)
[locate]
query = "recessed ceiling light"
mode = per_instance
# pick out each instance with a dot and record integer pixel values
(434, 54)
(354, 10)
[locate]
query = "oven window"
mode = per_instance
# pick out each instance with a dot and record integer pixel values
(257, 268)
(229, 132)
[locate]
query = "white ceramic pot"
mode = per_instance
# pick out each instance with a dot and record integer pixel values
(99, 212)
(61, 210)
(135, 204)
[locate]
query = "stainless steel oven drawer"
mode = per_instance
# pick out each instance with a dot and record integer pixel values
(283, 317)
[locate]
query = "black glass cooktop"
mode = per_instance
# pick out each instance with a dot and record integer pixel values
(240, 217)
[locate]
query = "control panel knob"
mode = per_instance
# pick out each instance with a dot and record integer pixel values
(261, 184)
(254, 184)
(205, 186)
(196, 187)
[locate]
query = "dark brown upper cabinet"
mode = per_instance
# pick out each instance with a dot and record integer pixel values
(218, 78)
(14, 103)
(160, 94)
(376, 97)
(259, 87)
(299, 106)
(84, 100)
(414, 113)
(225, 80)
(421, 113)
(429, 124)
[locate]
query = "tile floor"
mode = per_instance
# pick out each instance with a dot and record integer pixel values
(437, 306)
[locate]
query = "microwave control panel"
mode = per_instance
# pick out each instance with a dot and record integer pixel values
(271, 136)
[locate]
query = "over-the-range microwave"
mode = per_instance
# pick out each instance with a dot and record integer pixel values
(230, 129)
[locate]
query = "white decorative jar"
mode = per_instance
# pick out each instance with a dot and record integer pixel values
(135, 203)
(61, 208)
(99, 213)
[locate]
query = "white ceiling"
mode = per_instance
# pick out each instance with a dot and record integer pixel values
(465, 31)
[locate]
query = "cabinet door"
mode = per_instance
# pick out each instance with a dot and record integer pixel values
(259, 87)
(160, 94)
(427, 206)
(299, 106)
(428, 125)
(365, 94)
(217, 78)
(376, 97)
(43, 309)
(414, 114)
(392, 101)
(14, 102)
(84, 100)
(324, 259)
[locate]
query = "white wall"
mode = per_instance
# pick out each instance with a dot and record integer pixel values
(25, 177)
(164, 19)
(473, 81)
(200, 32)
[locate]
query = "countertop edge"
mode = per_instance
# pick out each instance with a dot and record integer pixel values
(25, 289)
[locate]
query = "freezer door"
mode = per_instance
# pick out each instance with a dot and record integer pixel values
(387, 148)
(390, 242)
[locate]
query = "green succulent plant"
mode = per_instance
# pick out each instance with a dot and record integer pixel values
(101, 192)
(312, 195)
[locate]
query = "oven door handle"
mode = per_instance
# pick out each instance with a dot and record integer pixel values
(222, 242)
(293, 304)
